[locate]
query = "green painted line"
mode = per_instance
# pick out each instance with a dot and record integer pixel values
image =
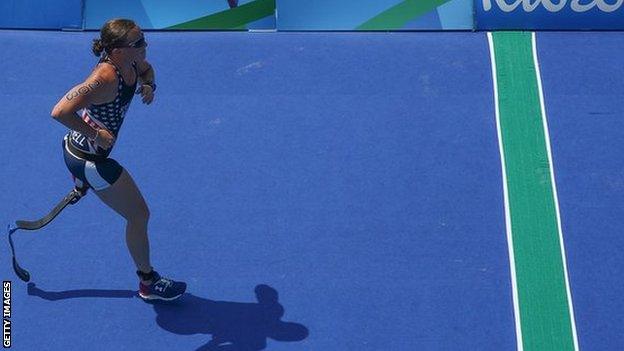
(236, 18)
(399, 15)
(545, 312)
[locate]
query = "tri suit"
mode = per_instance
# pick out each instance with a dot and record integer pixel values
(90, 165)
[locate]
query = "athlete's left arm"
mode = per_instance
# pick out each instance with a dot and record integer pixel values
(147, 81)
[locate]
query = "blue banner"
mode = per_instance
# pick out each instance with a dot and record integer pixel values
(184, 14)
(41, 14)
(549, 14)
(375, 15)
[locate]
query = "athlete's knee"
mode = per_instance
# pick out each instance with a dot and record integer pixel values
(141, 214)
(137, 214)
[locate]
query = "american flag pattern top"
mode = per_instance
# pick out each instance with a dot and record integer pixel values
(109, 115)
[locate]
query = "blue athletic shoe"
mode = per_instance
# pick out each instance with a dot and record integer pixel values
(161, 289)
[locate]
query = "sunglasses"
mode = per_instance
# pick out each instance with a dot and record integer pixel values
(137, 44)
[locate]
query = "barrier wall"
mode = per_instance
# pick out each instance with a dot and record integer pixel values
(374, 14)
(549, 14)
(184, 14)
(41, 14)
(318, 14)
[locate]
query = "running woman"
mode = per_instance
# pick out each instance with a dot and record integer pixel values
(94, 112)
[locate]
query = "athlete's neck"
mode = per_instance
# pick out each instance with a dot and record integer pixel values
(119, 62)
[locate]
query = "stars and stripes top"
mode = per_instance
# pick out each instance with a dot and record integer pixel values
(109, 115)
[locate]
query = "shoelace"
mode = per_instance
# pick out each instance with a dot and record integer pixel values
(164, 282)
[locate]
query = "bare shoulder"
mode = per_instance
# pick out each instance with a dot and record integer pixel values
(102, 83)
(103, 74)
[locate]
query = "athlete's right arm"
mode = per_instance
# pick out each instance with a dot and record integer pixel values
(92, 90)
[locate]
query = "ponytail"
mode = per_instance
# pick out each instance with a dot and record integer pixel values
(97, 47)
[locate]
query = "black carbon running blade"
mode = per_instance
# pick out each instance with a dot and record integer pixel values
(70, 198)
(73, 196)
(21, 272)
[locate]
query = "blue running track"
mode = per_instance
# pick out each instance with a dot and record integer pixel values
(356, 174)
(583, 85)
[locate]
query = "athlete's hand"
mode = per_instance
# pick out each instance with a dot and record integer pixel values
(104, 139)
(147, 93)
